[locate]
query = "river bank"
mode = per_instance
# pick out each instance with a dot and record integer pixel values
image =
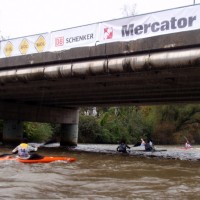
(164, 152)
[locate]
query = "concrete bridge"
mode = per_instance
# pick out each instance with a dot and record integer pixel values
(52, 86)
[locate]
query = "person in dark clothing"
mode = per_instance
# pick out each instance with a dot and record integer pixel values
(137, 144)
(149, 146)
(123, 147)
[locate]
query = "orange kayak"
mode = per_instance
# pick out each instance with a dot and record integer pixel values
(45, 159)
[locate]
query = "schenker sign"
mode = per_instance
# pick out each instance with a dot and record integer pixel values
(124, 29)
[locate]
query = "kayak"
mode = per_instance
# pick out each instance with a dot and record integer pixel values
(143, 149)
(45, 159)
(157, 150)
(184, 148)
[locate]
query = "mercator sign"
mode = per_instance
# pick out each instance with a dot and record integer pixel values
(149, 25)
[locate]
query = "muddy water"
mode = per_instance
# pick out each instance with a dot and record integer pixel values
(100, 176)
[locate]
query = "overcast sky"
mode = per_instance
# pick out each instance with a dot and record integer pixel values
(28, 17)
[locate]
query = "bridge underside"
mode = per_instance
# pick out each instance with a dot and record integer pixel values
(142, 87)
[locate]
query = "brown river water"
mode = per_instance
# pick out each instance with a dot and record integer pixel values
(98, 174)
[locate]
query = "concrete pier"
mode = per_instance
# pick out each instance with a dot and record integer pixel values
(13, 128)
(12, 132)
(69, 135)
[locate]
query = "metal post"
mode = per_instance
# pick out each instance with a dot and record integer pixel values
(194, 2)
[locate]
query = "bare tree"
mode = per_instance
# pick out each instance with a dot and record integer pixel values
(129, 9)
(3, 37)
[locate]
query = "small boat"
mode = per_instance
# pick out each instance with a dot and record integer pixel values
(44, 159)
(156, 150)
(184, 148)
(139, 148)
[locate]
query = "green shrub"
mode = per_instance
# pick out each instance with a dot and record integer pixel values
(37, 132)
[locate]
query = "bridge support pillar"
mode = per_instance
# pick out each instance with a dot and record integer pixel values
(12, 132)
(69, 131)
(69, 135)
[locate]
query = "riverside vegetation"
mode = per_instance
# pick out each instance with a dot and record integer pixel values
(166, 124)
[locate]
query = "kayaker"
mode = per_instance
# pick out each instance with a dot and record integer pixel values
(187, 145)
(149, 146)
(142, 142)
(24, 150)
(123, 147)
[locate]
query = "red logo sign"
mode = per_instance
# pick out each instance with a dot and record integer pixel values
(108, 33)
(59, 41)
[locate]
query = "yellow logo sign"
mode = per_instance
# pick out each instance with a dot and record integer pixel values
(8, 49)
(24, 46)
(40, 44)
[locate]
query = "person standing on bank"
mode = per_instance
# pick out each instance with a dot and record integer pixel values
(23, 150)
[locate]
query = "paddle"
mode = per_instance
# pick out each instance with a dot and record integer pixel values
(6, 154)
(185, 139)
(51, 141)
(41, 145)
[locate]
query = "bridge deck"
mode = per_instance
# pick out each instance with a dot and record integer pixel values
(167, 83)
